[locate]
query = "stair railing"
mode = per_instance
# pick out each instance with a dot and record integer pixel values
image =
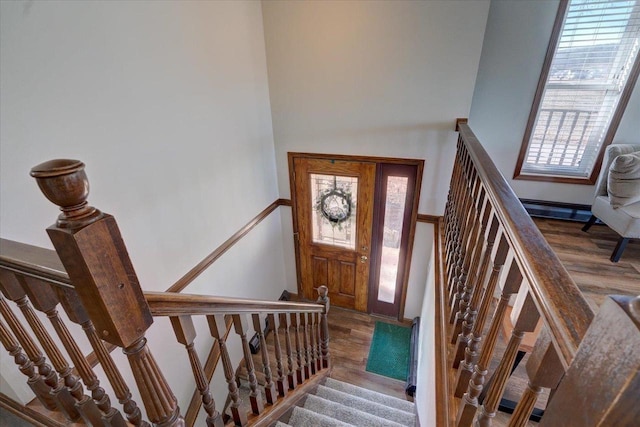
(491, 247)
(91, 277)
(39, 271)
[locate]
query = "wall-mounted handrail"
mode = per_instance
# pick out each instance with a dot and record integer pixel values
(199, 268)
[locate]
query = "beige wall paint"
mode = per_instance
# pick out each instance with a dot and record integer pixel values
(168, 105)
(372, 78)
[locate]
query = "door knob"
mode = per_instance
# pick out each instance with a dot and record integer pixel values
(363, 258)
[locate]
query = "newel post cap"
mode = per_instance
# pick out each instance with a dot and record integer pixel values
(65, 183)
(323, 297)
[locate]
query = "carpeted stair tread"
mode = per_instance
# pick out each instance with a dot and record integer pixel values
(304, 417)
(281, 424)
(355, 402)
(370, 395)
(345, 414)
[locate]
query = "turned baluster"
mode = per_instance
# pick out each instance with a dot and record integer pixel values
(544, 370)
(476, 285)
(309, 333)
(466, 192)
(474, 305)
(77, 314)
(255, 397)
(97, 409)
(449, 212)
(304, 327)
(218, 328)
(269, 387)
(63, 400)
(93, 252)
(469, 403)
(483, 210)
(472, 349)
(453, 231)
(319, 335)
(314, 341)
(456, 249)
(295, 326)
(470, 228)
(527, 319)
(281, 381)
(285, 324)
(601, 386)
(315, 338)
(26, 366)
(465, 216)
(456, 192)
(13, 291)
(475, 246)
(323, 299)
(186, 334)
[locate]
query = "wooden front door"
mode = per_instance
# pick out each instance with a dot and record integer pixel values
(333, 217)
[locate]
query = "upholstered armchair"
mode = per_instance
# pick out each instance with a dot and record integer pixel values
(617, 197)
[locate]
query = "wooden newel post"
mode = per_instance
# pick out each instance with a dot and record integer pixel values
(323, 299)
(602, 385)
(93, 252)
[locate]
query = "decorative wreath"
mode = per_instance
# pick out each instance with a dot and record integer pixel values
(335, 205)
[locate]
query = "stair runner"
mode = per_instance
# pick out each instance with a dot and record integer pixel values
(338, 404)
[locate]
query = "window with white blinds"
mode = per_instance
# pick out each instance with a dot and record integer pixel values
(594, 62)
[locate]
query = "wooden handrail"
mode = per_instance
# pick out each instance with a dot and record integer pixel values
(556, 296)
(199, 268)
(174, 304)
(33, 261)
(42, 263)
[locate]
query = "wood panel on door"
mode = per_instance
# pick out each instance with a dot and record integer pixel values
(333, 213)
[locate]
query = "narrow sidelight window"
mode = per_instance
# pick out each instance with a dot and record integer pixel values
(591, 67)
(395, 206)
(394, 210)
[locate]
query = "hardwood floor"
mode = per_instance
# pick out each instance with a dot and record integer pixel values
(586, 258)
(350, 333)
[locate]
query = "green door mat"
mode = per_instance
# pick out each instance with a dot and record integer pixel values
(389, 352)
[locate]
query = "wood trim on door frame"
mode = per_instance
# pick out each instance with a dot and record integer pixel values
(419, 163)
(412, 235)
(408, 235)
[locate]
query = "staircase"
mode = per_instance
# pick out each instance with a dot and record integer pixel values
(339, 404)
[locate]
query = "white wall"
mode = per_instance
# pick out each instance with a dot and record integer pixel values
(168, 105)
(515, 44)
(425, 398)
(383, 78)
(420, 265)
